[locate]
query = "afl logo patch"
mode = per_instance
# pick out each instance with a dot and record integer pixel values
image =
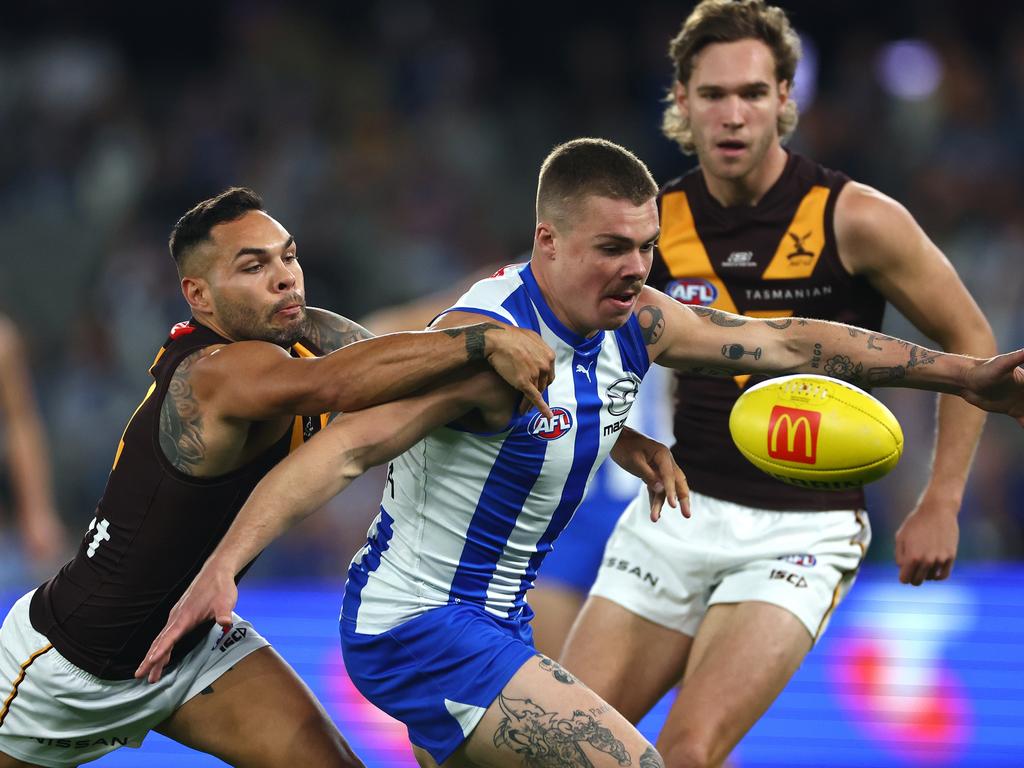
(692, 290)
(621, 395)
(544, 428)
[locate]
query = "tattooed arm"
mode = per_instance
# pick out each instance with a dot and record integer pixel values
(330, 331)
(256, 380)
(687, 337)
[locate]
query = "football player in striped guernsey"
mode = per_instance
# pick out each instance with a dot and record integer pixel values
(435, 618)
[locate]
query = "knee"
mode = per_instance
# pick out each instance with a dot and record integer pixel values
(691, 751)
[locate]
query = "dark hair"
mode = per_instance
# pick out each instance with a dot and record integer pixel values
(728, 21)
(584, 167)
(194, 227)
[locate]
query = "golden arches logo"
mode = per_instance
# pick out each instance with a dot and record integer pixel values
(793, 434)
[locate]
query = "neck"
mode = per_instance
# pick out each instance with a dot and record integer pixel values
(213, 325)
(544, 281)
(749, 189)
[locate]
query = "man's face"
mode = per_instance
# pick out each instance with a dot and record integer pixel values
(601, 260)
(255, 280)
(733, 101)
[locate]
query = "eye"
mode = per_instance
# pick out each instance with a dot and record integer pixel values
(253, 269)
(290, 257)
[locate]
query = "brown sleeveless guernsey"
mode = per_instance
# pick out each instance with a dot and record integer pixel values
(153, 529)
(775, 259)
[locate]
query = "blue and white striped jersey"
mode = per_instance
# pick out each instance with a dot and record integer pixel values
(468, 518)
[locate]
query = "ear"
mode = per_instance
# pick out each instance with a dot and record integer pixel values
(544, 238)
(197, 293)
(784, 86)
(679, 94)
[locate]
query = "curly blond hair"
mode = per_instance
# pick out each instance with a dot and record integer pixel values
(726, 21)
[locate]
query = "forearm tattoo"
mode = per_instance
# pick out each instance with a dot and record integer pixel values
(779, 325)
(738, 352)
(329, 331)
(845, 368)
(181, 424)
(651, 759)
(546, 739)
(652, 323)
(475, 343)
(718, 317)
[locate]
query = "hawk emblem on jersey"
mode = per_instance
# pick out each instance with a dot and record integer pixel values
(544, 428)
(799, 252)
(621, 395)
(692, 290)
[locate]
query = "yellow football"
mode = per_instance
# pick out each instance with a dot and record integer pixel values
(816, 432)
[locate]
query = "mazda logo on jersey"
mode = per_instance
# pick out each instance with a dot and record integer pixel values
(621, 395)
(692, 290)
(544, 428)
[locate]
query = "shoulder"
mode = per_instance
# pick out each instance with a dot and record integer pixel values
(329, 331)
(495, 297)
(870, 226)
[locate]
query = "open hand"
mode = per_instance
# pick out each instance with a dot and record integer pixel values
(211, 595)
(522, 359)
(997, 385)
(653, 463)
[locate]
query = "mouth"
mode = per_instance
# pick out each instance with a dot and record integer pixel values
(289, 309)
(731, 147)
(625, 300)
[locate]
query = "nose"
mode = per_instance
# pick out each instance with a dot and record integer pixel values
(284, 277)
(636, 264)
(732, 116)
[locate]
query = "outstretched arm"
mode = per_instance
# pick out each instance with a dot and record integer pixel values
(301, 484)
(711, 342)
(879, 239)
(256, 380)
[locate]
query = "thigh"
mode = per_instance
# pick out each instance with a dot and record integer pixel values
(743, 655)
(545, 718)
(629, 661)
(260, 713)
(555, 607)
(6, 761)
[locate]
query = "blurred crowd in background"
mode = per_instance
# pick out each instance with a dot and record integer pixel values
(399, 142)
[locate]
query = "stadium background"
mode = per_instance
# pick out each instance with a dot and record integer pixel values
(399, 142)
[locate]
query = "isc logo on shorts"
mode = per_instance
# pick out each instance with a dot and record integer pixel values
(692, 290)
(231, 637)
(544, 428)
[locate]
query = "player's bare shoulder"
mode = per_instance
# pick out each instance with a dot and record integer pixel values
(871, 229)
(182, 438)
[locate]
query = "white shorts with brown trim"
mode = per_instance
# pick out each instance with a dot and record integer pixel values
(55, 714)
(672, 571)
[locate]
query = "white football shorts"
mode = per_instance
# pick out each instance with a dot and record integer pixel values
(55, 714)
(672, 571)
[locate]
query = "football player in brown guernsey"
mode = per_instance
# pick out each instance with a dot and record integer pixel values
(235, 389)
(763, 232)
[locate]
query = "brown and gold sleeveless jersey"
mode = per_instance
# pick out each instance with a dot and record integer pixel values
(775, 259)
(153, 529)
